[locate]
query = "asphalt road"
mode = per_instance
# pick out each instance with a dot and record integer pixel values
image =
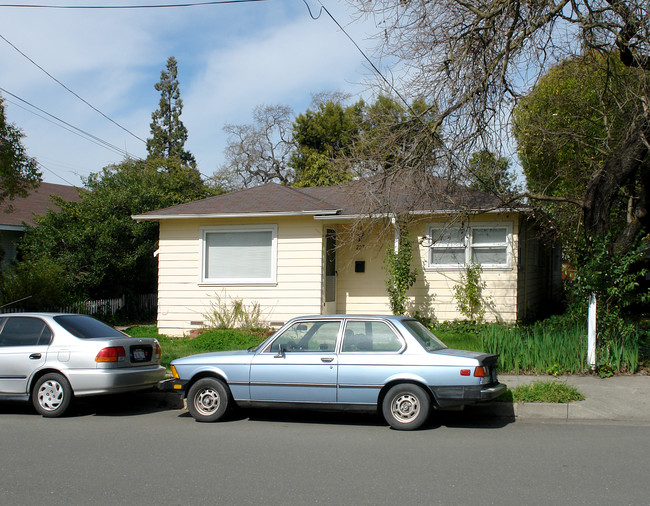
(129, 450)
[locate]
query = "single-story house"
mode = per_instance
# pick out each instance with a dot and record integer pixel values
(322, 250)
(14, 214)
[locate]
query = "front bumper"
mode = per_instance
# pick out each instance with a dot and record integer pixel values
(454, 396)
(173, 385)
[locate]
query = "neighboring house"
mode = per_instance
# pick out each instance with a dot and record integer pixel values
(321, 250)
(14, 214)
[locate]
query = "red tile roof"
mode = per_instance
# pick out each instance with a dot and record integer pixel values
(15, 212)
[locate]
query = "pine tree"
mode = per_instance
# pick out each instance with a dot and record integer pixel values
(168, 134)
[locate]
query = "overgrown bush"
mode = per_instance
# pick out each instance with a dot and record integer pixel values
(227, 313)
(41, 280)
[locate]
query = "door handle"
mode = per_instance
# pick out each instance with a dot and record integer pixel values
(35, 356)
(327, 359)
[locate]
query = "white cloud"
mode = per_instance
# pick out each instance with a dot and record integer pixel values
(231, 58)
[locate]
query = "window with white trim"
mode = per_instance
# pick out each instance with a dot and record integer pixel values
(239, 255)
(482, 243)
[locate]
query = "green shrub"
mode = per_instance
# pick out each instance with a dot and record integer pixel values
(546, 391)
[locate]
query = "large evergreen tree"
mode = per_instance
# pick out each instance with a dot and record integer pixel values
(168, 134)
(18, 172)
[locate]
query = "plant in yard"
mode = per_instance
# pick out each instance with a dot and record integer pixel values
(546, 391)
(615, 280)
(469, 293)
(400, 276)
(233, 313)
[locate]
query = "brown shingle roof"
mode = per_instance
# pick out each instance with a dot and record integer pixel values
(38, 202)
(360, 197)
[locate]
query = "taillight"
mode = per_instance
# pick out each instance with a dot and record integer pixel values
(481, 372)
(111, 354)
(157, 351)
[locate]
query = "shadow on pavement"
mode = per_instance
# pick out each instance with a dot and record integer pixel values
(470, 417)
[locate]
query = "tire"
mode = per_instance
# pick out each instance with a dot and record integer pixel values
(52, 395)
(406, 407)
(208, 400)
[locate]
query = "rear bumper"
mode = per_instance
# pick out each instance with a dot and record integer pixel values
(454, 396)
(112, 381)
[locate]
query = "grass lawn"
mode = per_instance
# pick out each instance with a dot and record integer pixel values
(211, 340)
(543, 391)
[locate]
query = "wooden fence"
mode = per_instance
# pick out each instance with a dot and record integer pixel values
(141, 304)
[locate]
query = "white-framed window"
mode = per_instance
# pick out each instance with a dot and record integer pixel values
(233, 255)
(487, 244)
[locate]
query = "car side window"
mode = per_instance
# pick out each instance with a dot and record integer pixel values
(364, 336)
(317, 336)
(25, 331)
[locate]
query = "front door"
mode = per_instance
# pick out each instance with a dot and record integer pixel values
(300, 365)
(329, 304)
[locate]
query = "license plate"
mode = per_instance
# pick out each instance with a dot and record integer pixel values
(139, 355)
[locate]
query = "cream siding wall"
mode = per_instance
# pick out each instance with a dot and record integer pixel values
(432, 294)
(183, 301)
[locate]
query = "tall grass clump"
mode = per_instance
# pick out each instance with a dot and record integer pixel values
(549, 347)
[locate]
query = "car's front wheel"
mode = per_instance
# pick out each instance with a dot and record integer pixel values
(52, 395)
(208, 400)
(406, 407)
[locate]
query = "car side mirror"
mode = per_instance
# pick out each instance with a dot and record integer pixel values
(282, 350)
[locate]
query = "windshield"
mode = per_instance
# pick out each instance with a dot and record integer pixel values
(85, 327)
(428, 341)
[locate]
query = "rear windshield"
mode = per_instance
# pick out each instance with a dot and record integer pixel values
(422, 334)
(85, 327)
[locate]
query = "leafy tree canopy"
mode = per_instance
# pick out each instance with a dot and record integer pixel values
(94, 245)
(323, 137)
(569, 125)
(18, 172)
(328, 144)
(491, 174)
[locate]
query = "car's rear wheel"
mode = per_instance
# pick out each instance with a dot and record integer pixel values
(208, 400)
(52, 395)
(406, 406)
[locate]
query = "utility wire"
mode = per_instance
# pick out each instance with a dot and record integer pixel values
(56, 124)
(68, 89)
(159, 6)
(57, 175)
(88, 135)
(374, 67)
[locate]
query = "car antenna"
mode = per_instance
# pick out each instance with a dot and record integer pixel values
(16, 301)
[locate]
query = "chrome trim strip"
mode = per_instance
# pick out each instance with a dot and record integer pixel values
(304, 385)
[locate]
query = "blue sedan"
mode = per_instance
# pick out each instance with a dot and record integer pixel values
(344, 362)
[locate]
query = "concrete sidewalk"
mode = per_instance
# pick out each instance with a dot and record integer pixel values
(620, 398)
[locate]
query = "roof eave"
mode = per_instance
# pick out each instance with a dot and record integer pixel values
(272, 214)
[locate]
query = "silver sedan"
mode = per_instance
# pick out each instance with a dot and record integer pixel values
(50, 358)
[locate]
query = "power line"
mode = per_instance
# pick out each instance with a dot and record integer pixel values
(57, 175)
(159, 6)
(88, 135)
(374, 67)
(68, 89)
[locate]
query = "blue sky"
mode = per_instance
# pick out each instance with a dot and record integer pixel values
(231, 58)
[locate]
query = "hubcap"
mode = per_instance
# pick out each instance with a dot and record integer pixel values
(405, 407)
(50, 395)
(207, 401)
